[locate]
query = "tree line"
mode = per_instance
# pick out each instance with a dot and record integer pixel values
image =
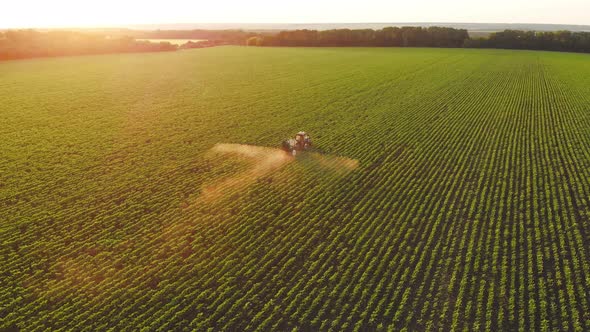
(565, 41)
(390, 36)
(21, 44)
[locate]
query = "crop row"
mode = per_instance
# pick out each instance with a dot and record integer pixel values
(468, 211)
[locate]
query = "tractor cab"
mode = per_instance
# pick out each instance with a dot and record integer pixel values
(303, 138)
(301, 142)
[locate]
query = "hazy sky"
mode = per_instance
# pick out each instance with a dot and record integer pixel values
(68, 13)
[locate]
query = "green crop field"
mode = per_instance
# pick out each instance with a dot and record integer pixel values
(448, 189)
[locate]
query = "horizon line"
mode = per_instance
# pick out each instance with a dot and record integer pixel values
(130, 25)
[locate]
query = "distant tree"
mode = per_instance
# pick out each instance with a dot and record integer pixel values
(254, 41)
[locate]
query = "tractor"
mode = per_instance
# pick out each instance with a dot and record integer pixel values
(301, 142)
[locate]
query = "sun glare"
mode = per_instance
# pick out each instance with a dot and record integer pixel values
(94, 13)
(63, 13)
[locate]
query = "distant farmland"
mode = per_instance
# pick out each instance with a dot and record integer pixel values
(450, 190)
(173, 41)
